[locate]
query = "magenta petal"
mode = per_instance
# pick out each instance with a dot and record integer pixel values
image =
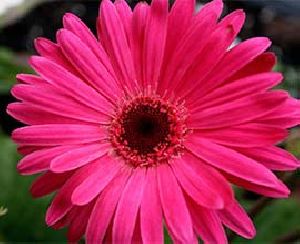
(56, 76)
(231, 162)
(48, 182)
(106, 170)
(151, 212)
(105, 207)
(272, 157)
(196, 186)
(127, 209)
(155, 39)
(246, 135)
(235, 217)
(78, 157)
(176, 214)
(56, 134)
(256, 106)
(61, 203)
(39, 161)
(207, 224)
(30, 79)
(87, 64)
(114, 40)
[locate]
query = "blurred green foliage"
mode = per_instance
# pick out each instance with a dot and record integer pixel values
(9, 68)
(24, 220)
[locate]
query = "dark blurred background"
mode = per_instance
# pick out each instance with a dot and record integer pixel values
(23, 20)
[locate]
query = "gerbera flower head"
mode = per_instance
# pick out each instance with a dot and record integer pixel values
(152, 122)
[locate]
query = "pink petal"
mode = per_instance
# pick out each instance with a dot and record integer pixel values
(79, 222)
(246, 135)
(127, 209)
(87, 64)
(125, 14)
(235, 59)
(61, 203)
(155, 39)
(185, 55)
(214, 50)
(105, 172)
(78, 157)
(105, 207)
(237, 112)
(139, 20)
(56, 134)
(53, 52)
(236, 89)
(231, 161)
(272, 157)
(49, 99)
(76, 26)
(287, 115)
(151, 212)
(76, 88)
(39, 161)
(261, 64)
(235, 217)
(176, 214)
(207, 224)
(197, 186)
(30, 79)
(278, 190)
(48, 182)
(114, 40)
(28, 114)
(179, 20)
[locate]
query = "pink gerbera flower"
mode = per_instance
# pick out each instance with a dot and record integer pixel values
(152, 123)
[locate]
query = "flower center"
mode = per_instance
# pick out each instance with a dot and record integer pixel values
(148, 131)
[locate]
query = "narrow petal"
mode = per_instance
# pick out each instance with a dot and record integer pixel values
(125, 14)
(53, 52)
(139, 20)
(78, 157)
(261, 64)
(107, 169)
(76, 26)
(236, 89)
(113, 37)
(61, 203)
(57, 76)
(79, 219)
(39, 161)
(176, 214)
(105, 207)
(197, 186)
(256, 106)
(87, 64)
(49, 99)
(47, 183)
(246, 135)
(30, 79)
(231, 161)
(155, 39)
(272, 157)
(212, 182)
(179, 19)
(127, 209)
(233, 60)
(54, 135)
(278, 190)
(30, 115)
(207, 224)
(235, 217)
(151, 211)
(188, 50)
